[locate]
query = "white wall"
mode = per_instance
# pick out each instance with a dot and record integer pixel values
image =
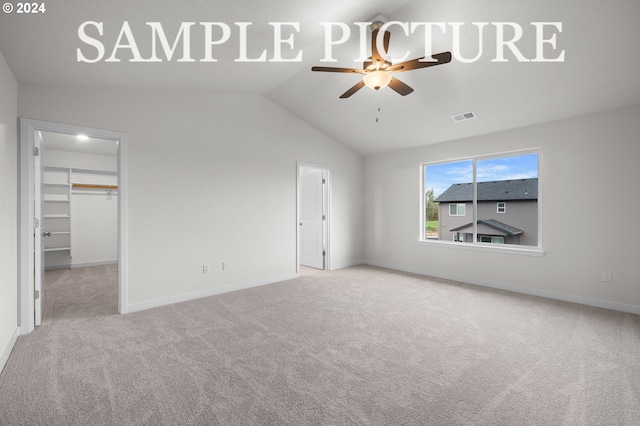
(211, 178)
(589, 178)
(8, 210)
(56, 157)
(94, 216)
(94, 225)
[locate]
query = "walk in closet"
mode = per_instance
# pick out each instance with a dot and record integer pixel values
(80, 190)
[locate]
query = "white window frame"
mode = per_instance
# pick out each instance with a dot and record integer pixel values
(492, 238)
(474, 244)
(504, 207)
(458, 205)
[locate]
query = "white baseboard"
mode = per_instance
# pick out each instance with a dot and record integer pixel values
(346, 265)
(100, 263)
(206, 293)
(57, 267)
(598, 303)
(9, 348)
(80, 265)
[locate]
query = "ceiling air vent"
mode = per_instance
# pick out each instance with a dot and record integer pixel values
(464, 116)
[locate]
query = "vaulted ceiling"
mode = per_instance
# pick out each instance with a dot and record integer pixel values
(600, 69)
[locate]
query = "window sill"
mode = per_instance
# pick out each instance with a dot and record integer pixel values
(495, 248)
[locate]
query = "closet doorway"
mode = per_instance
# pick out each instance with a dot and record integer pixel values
(79, 226)
(73, 190)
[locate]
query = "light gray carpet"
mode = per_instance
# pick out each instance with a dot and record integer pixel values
(80, 293)
(356, 346)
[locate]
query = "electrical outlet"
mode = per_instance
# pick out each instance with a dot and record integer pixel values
(606, 277)
(225, 266)
(205, 269)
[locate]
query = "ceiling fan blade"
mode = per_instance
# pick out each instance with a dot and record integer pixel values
(441, 58)
(333, 69)
(375, 55)
(359, 85)
(400, 87)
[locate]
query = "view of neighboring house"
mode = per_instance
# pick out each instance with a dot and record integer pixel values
(507, 212)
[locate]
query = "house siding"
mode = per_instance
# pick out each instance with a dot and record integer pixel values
(447, 222)
(520, 214)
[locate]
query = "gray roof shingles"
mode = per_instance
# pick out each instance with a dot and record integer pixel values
(500, 190)
(496, 224)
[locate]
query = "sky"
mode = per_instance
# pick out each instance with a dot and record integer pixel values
(441, 176)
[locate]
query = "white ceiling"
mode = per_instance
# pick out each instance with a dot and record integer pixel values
(600, 71)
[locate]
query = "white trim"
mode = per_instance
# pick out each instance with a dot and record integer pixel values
(506, 248)
(57, 267)
(524, 151)
(99, 263)
(491, 238)
(80, 170)
(81, 265)
(458, 237)
(540, 200)
(588, 301)
(156, 303)
(474, 244)
(464, 207)
(123, 190)
(474, 202)
(9, 348)
(347, 265)
(25, 220)
(422, 215)
(27, 128)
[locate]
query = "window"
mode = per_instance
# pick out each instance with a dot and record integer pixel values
(457, 209)
(484, 186)
(489, 239)
(438, 178)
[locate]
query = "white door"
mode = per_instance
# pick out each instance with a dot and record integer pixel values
(312, 217)
(39, 228)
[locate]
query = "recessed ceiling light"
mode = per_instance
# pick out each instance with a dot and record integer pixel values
(82, 137)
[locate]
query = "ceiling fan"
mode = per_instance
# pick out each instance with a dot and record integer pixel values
(378, 71)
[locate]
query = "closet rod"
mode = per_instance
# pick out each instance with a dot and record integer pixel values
(88, 185)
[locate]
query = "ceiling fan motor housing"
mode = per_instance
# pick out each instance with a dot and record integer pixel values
(376, 25)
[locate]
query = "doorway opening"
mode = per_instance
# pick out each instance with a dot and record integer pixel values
(313, 185)
(79, 226)
(72, 216)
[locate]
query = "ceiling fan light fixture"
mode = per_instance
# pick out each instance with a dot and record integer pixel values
(377, 79)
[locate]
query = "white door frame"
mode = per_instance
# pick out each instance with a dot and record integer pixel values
(26, 226)
(38, 240)
(327, 196)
